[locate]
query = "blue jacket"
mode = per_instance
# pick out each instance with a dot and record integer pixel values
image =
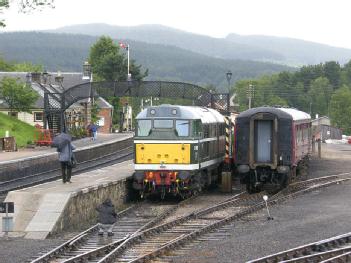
(93, 128)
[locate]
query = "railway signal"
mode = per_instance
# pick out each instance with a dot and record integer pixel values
(265, 198)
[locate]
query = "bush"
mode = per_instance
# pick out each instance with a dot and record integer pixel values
(78, 133)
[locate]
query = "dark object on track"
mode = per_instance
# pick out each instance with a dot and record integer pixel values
(272, 145)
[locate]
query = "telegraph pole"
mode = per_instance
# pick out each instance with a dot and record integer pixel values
(250, 94)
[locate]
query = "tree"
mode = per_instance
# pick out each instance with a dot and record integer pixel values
(17, 95)
(27, 67)
(111, 65)
(5, 66)
(320, 94)
(332, 72)
(24, 6)
(340, 109)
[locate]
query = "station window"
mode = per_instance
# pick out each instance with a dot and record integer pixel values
(144, 127)
(182, 128)
(38, 116)
(163, 124)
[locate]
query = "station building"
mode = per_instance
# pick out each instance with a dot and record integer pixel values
(77, 116)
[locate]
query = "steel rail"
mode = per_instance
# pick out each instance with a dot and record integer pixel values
(305, 249)
(74, 240)
(54, 173)
(101, 250)
(319, 256)
(346, 257)
(194, 234)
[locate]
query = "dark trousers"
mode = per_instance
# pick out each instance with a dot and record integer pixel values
(66, 171)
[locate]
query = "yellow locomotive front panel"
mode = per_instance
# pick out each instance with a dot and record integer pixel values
(156, 153)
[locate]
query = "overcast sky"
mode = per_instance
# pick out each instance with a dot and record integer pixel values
(320, 21)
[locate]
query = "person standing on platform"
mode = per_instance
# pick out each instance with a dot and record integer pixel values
(107, 217)
(65, 148)
(93, 129)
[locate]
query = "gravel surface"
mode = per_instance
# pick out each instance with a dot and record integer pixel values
(311, 217)
(19, 250)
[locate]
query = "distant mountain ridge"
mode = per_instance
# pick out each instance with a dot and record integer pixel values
(280, 50)
(67, 52)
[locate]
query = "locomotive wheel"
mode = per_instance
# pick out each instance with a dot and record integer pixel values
(284, 181)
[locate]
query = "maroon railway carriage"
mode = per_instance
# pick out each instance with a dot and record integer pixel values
(271, 144)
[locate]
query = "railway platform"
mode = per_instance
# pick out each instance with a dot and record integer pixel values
(43, 150)
(53, 207)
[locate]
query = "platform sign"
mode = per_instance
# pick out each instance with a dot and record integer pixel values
(7, 224)
(7, 221)
(7, 207)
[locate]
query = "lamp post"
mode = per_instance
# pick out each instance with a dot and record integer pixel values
(126, 47)
(88, 75)
(229, 77)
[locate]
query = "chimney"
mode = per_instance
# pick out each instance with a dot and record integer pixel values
(46, 77)
(36, 76)
(59, 79)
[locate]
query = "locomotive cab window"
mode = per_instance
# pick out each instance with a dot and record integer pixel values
(163, 124)
(144, 127)
(197, 128)
(182, 128)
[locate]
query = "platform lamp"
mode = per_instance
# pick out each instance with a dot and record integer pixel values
(229, 77)
(88, 75)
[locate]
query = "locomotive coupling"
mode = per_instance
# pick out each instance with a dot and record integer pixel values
(283, 169)
(243, 168)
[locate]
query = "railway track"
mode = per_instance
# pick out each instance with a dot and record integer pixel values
(334, 249)
(154, 242)
(102, 161)
(149, 242)
(88, 244)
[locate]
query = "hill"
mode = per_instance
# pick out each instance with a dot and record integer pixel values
(295, 51)
(23, 132)
(286, 51)
(66, 52)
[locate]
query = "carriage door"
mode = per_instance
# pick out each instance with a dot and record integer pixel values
(263, 141)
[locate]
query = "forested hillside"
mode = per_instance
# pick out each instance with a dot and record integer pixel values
(281, 50)
(66, 52)
(323, 89)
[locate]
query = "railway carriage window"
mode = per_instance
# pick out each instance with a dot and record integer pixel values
(182, 128)
(196, 128)
(144, 127)
(299, 134)
(163, 124)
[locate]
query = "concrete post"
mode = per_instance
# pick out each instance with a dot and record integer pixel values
(319, 149)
